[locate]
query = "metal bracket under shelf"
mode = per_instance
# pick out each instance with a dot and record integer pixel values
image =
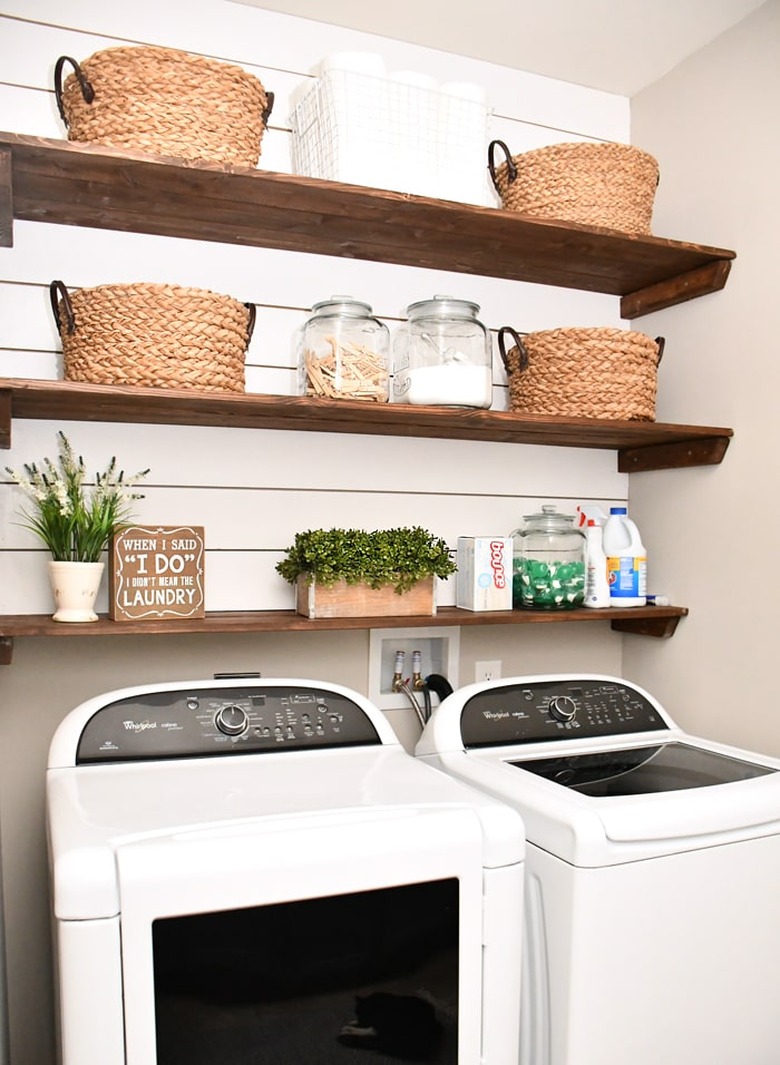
(6, 414)
(660, 627)
(707, 451)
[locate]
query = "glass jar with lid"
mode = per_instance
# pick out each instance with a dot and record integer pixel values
(443, 356)
(343, 352)
(548, 566)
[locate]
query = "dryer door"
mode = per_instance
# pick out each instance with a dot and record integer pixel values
(300, 939)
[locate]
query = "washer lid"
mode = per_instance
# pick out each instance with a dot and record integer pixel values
(598, 770)
(672, 766)
(603, 830)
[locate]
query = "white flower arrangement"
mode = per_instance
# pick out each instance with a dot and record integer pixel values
(74, 521)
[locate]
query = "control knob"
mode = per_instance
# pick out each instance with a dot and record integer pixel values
(231, 719)
(562, 708)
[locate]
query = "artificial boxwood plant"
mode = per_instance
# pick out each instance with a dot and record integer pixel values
(400, 557)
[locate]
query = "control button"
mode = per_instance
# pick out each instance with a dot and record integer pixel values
(562, 708)
(231, 719)
(192, 702)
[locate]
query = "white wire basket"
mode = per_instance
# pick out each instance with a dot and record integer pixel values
(391, 134)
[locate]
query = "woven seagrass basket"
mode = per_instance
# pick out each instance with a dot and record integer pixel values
(582, 373)
(153, 336)
(609, 185)
(165, 102)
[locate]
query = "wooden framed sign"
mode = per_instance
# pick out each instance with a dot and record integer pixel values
(156, 572)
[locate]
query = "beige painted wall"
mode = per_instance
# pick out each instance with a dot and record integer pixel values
(714, 125)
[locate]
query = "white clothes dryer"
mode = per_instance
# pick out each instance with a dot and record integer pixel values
(255, 870)
(652, 871)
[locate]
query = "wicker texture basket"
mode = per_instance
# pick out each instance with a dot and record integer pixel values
(582, 373)
(165, 102)
(153, 336)
(609, 185)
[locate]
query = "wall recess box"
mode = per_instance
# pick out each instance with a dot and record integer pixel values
(439, 648)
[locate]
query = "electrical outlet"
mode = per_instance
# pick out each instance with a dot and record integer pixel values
(486, 671)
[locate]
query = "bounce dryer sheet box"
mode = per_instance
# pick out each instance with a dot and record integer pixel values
(484, 578)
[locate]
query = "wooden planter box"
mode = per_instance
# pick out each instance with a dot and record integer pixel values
(342, 600)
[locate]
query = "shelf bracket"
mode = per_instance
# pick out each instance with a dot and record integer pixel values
(699, 282)
(6, 412)
(708, 451)
(6, 650)
(6, 200)
(660, 627)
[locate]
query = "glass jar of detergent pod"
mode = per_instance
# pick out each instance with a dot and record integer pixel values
(548, 566)
(442, 356)
(343, 352)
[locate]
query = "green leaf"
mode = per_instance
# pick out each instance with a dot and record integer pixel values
(400, 557)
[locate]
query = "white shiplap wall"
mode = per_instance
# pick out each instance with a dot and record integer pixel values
(251, 490)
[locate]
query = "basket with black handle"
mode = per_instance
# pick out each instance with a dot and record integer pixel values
(605, 184)
(582, 372)
(153, 336)
(165, 102)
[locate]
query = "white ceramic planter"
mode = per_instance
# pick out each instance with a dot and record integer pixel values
(75, 586)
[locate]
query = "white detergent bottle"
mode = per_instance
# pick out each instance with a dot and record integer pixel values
(626, 560)
(596, 583)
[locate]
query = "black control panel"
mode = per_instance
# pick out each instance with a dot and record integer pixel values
(223, 721)
(555, 710)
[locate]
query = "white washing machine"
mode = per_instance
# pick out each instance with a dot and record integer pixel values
(252, 870)
(652, 871)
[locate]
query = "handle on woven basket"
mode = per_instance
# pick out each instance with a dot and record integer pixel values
(269, 106)
(517, 343)
(511, 169)
(86, 87)
(661, 342)
(57, 288)
(250, 326)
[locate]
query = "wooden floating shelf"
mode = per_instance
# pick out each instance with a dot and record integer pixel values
(57, 182)
(48, 180)
(644, 621)
(640, 445)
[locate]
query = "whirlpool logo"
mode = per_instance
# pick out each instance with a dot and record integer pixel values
(138, 726)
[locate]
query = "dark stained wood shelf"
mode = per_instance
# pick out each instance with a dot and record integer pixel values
(48, 180)
(656, 621)
(54, 181)
(640, 445)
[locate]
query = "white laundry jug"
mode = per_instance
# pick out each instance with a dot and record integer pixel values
(626, 560)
